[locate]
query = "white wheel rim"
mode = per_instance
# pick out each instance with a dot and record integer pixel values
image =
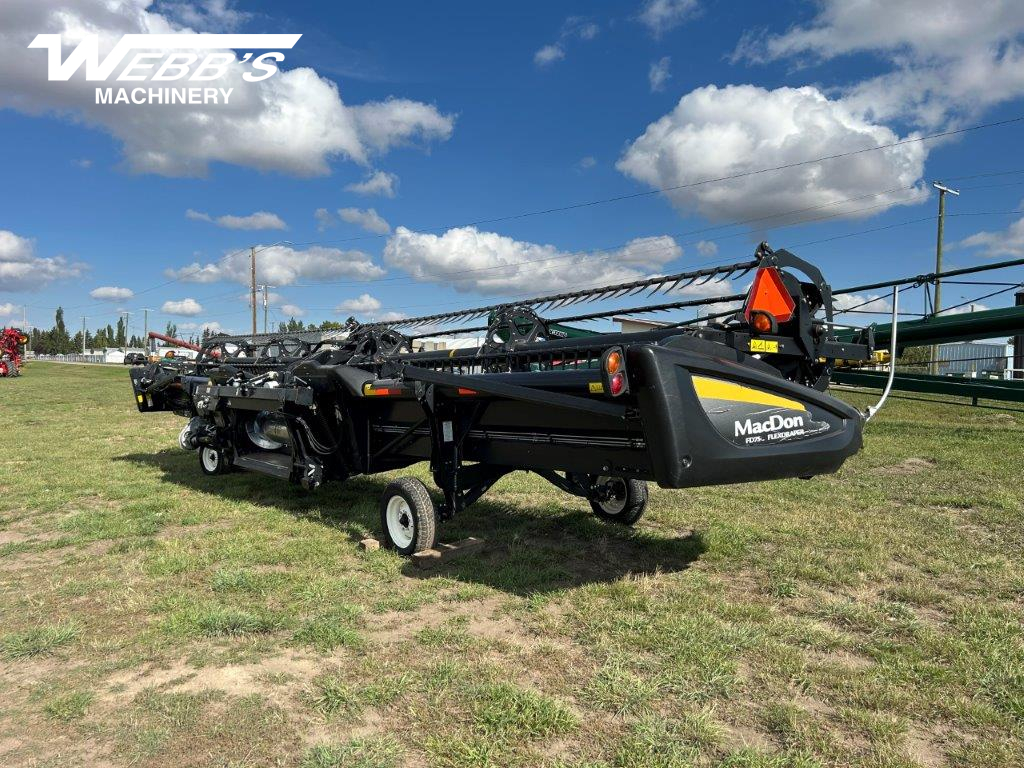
(615, 504)
(400, 522)
(210, 459)
(181, 438)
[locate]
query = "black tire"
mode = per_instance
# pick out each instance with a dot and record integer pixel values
(214, 461)
(625, 502)
(408, 517)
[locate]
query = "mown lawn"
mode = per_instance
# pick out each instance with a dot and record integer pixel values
(153, 616)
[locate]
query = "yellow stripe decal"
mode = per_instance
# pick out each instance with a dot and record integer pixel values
(716, 389)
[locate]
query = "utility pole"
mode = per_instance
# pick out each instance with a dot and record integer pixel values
(266, 304)
(126, 316)
(252, 284)
(937, 304)
(145, 326)
(252, 276)
(1018, 343)
(83, 334)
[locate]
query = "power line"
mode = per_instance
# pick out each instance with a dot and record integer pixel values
(607, 250)
(714, 180)
(661, 190)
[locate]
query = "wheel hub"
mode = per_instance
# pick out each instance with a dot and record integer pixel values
(400, 522)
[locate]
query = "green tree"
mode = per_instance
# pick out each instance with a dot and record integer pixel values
(914, 360)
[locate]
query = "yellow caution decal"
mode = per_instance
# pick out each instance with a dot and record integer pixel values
(596, 388)
(763, 345)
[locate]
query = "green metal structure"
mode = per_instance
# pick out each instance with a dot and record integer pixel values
(1011, 390)
(944, 329)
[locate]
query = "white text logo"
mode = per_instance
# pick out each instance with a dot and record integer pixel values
(772, 424)
(165, 59)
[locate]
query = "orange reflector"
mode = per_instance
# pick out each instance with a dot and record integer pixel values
(768, 294)
(464, 391)
(371, 391)
(761, 321)
(613, 363)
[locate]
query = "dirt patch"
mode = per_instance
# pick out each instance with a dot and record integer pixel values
(747, 737)
(910, 466)
(233, 679)
(15, 537)
(841, 658)
(395, 626)
(921, 747)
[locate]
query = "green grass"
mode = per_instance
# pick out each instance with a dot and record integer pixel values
(151, 615)
(69, 706)
(357, 753)
(36, 641)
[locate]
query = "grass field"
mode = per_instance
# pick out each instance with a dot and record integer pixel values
(153, 616)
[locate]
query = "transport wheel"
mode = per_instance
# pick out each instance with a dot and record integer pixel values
(408, 516)
(619, 500)
(213, 461)
(182, 436)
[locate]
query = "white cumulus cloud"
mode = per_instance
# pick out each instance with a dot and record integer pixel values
(282, 265)
(548, 54)
(258, 220)
(324, 219)
(292, 310)
(212, 327)
(471, 260)
(185, 307)
(206, 15)
(707, 248)
(294, 122)
(22, 270)
(659, 74)
(360, 305)
(111, 293)
(574, 27)
(660, 16)
(369, 219)
(377, 183)
(720, 132)
(1008, 242)
(949, 59)
(862, 302)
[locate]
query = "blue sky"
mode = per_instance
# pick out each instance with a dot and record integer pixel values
(479, 111)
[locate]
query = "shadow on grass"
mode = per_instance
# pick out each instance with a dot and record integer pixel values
(529, 548)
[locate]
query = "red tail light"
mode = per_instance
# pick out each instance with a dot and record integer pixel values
(768, 294)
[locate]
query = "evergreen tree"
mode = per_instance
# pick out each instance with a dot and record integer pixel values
(60, 340)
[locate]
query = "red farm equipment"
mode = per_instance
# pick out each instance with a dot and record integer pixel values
(12, 347)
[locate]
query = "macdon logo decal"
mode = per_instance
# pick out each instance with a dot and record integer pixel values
(166, 59)
(775, 428)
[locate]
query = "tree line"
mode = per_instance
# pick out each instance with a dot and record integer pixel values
(58, 340)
